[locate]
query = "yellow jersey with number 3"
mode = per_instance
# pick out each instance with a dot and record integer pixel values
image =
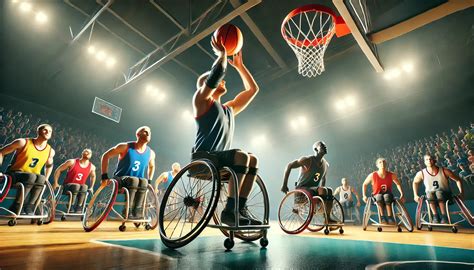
(30, 159)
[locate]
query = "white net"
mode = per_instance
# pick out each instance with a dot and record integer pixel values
(308, 34)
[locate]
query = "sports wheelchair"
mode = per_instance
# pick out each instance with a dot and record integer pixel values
(64, 203)
(299, 210)
(105, 200)
(197, 194)
(400, 214)
(44, 207)
(455, 208)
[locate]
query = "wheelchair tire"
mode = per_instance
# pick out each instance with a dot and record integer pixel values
(199, 174)
(100, 205)
(151, 208)
(295, 208)
(47, 205)
(319, 217)
(366, 216)
(5, 184)
(401, 213)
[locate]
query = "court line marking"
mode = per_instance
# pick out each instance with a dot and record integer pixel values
(377, 266)
(134, 248)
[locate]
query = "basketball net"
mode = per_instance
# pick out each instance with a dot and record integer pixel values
(308, 34)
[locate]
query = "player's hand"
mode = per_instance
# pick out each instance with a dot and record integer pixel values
(284, 189)
(237, 61)
(461, 195)
(402, 198)
(91, 190)
(358, 204)
(416, 198)
(1, 174)
(55, 186)
(364, 198)
(218, 47)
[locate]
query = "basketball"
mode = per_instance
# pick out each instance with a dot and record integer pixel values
(231, 37)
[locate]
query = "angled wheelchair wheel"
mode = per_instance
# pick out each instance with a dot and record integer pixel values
(422, 215)
(189, 203)
(295, 211)
(151, 208)
(337, 213)
(319, 215)
(47, 205)
(100, 205)
(5, 184)
(257, 204)
(464, 211)
(401, 214)
(367, 214)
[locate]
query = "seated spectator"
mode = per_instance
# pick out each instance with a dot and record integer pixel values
(464, 171)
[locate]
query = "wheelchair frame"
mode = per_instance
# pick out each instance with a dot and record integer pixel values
(369, 221)
(65, 214)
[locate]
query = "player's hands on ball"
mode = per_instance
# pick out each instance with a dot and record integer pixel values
(237, 61)
(284, 189)
(218, 48)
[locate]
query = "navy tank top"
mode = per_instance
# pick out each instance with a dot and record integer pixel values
(311, 176)
(215, 129)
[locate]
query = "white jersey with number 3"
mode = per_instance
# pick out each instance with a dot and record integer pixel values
(437, 182)
(345, 195)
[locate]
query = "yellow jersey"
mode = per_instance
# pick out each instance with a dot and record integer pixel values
(30, 159)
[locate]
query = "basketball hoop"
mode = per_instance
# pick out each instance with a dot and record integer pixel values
(308, 31)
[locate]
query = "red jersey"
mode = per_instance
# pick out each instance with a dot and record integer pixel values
(77, 174)
(382, 185)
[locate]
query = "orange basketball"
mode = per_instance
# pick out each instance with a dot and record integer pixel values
(231, 38)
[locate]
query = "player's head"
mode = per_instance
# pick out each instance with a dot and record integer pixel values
(176, 167)
(343, 181)
(381, 163)
(429, 160)
(86, 153)
(220, 90)
(143, 134)
(320, 147)
(45, 131)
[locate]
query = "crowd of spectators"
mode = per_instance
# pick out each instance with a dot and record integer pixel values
(453, 149)
(67, 140)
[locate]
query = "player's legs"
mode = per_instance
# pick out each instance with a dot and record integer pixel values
(140, 197)
(388, 199)
(432, 201)
(131, 183)
(28, 180)
(380, 207)
(240, 166)
(74, 189)
(35, 194)
(442, 197)
(81, 196)
(246, 188)
(328, 199)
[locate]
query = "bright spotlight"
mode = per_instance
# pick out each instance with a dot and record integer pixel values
(350, 101)
(91, 49)
(100, 56)
(153, 93)
(161, 96)
(294, 124)
(25, 7)
(110, 62)
(340, 105)
(14, 1)
(302, 120)
(149, 88)
(407, 67)
(41, 17)
(392, 73)
(259, 140)
(187, 115)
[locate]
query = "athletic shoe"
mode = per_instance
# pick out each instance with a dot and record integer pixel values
(383, 220)
(244, 212)
(444, 219)
(228, 217)
(29, 209)
(391, 221)
(435, 219)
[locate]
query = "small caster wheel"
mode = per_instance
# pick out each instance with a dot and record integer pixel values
(326, 231)
(379, 229)
(33, 221)
(454, 229)
(137, 225)
(147, 227)
(63, 218)
(39, 222)
(263, 242)
(11, 222)
(430, 228)
(228, 243)
(364, 229)
(399, 229)
(341, 231)
(122, 228)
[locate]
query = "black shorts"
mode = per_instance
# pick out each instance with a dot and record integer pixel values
(219, 158)
(312, 190)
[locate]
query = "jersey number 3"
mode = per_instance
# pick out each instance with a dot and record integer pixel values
(79, 177)
(33, 163)
(136, 166)
(316, 177)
